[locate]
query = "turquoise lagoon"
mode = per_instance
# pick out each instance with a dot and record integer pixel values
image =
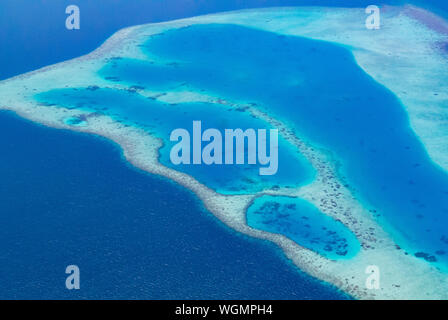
(302, 222)
(314, 87)
(161, 119)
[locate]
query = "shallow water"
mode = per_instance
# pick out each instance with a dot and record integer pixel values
(303, 223)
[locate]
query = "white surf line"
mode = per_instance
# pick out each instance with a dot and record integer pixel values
(402, 276)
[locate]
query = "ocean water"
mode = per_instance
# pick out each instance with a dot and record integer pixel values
(78, 221)
(161, 119)
(325, 96)
(70, 198)
(303, 223)
(438, 7)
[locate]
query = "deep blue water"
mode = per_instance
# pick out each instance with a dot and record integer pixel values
(302, 222)
(69, 198)
(317, 88)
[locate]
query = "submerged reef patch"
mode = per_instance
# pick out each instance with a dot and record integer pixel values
(75, 121)
(303, 223)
